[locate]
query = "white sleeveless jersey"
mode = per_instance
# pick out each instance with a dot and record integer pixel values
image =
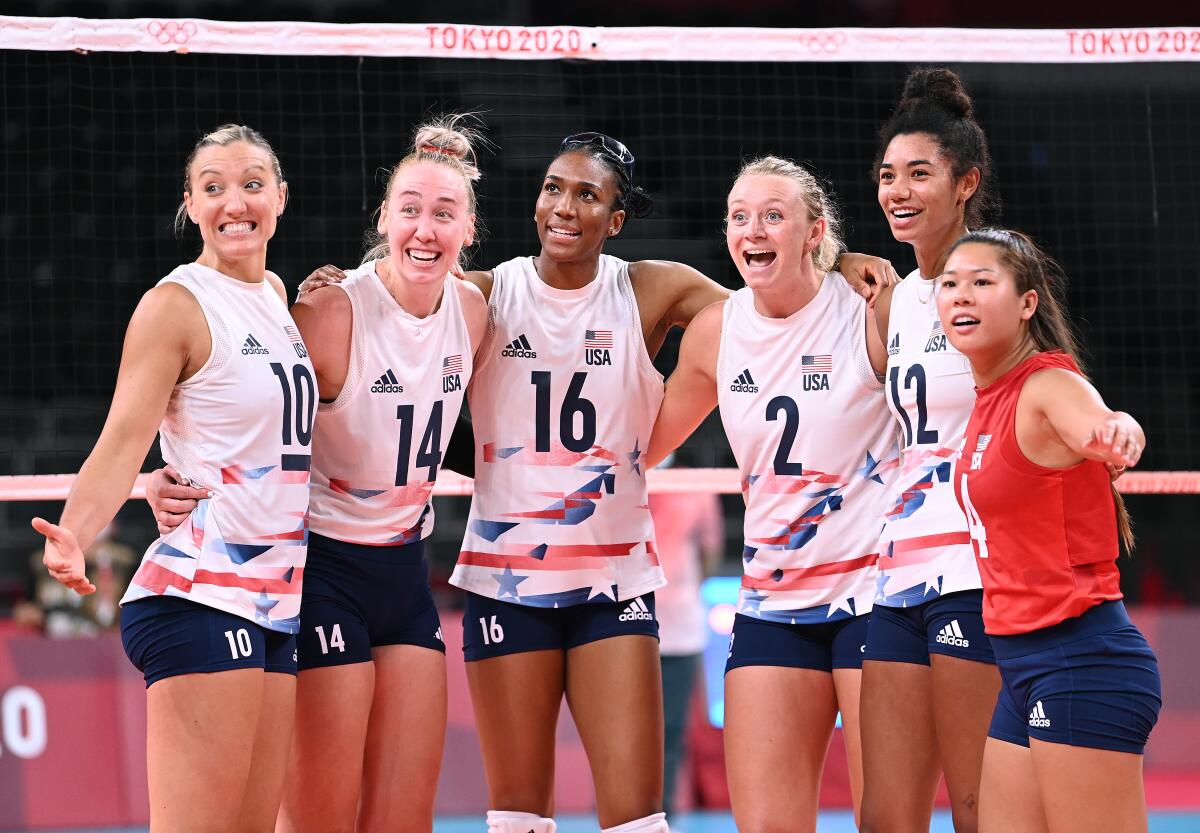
(240, 427)
(926, 549)
(807, 422)
(380, 442)
(562, 406)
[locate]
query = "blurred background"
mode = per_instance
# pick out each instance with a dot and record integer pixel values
(1099, 162)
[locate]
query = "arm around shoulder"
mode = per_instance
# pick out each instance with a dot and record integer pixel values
(683, 291)
(691, 392)
(475, 310)
(325, 319)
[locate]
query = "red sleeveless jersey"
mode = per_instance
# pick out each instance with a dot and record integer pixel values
(1045, 538)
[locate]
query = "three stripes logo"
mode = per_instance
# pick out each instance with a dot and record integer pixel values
(636, 612)
(253, 347)
(387, 383)
(519, 349)
(952, 634)
(894, 345)
(1037, 717)
(744, 383)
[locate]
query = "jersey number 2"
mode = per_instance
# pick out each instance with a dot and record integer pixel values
(916, 373)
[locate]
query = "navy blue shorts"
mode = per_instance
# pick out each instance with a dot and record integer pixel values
(950, 625)
(823, 646)
(492, 628)
(165, 636)
(359, 597)
(1090, 681)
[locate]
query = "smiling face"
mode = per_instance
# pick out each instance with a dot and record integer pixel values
(426, 220)
(235, 199)
(918, 192)
(980, 303)
(768, 231)
(574, 214)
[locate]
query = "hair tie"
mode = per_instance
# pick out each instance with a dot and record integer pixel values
(436, 149)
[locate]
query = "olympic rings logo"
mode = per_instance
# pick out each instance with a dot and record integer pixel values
(824, 41)
(172, 31)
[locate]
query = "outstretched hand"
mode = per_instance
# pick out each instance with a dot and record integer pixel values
(1115, 443)
(63, 557)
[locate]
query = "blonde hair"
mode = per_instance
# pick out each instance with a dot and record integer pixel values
(444, 140)
(224, 135)
(819, 203)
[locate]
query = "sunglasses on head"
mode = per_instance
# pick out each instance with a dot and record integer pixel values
(606, 144)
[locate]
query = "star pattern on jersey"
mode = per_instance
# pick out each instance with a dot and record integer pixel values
(846, 604)
(508, 583)
(635, 456)
(603, 588)
(871, 469)
(263, 605)
(752, 601)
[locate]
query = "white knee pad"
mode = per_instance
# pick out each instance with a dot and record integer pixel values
(509, 821)
(656, 823)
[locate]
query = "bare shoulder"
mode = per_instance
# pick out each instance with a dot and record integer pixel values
(169, 304)
(664, 270)
(481, 280)
(474, 305)
(1053, 383)
(708, 321)
(324, 310)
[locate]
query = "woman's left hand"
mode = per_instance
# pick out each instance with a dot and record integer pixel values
(1116, 443)
(866, 274)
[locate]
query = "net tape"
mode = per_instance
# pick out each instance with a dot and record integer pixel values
(453, 40)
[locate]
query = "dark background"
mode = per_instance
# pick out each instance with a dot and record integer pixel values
(1098, 162)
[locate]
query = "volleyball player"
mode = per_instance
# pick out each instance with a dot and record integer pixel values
(393, 348)
(929, 679)
(213, 361)
(1081, 689)
(791, 360)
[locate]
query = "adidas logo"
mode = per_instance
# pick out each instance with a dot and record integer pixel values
(519, 349)
(744, 383)
(387, 383)
(438, 635)
(894, 345)
(952, 635)
(253, 347)
(1037, 717)
(637, 611)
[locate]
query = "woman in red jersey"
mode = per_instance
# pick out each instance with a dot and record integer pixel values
(1081, 687)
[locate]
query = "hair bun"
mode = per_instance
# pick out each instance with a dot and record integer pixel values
(638, 203)
(447, 135)
(940, 87)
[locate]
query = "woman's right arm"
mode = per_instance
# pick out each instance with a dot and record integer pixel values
(167, 340)
(692, 389)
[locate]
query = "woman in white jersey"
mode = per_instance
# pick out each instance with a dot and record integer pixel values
(792, 361)
(930, 679)
(212, 360)
(393, 347)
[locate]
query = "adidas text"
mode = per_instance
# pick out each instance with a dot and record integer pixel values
(378, 388)
(252, 347)
(518, 354)
(736, 388)
(1037, 717)
(636, 612)
(956, 641)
